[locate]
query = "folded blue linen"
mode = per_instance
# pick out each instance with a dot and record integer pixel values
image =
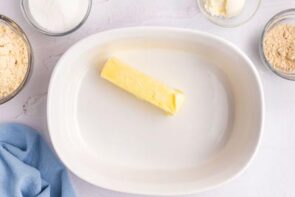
(28, 167)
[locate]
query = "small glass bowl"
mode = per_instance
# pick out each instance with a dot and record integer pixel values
(10, 23)
(30, 19)
(283, 17)
(249, 10)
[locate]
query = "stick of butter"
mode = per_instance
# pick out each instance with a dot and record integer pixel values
(142, 86)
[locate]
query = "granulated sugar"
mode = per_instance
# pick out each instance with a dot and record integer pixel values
(279, 47)
(13, 60)
(58, 16)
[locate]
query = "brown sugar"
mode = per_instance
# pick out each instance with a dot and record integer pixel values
(279, 47)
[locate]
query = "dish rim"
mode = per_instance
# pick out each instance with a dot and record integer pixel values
(165, 29)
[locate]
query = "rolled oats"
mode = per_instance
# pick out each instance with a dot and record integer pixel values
(13, 60)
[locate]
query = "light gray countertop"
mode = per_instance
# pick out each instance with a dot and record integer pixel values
(272, 172)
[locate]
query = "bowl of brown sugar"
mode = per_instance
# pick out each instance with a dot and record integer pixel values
(277, 47)
(15, 59)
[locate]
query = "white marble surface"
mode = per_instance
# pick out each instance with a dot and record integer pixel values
(271, 174)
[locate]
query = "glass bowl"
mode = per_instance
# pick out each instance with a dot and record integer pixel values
(11, 24)
(30, 19)
(283, 17)
(249, 10)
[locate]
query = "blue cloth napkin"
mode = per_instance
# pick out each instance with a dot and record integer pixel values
(28, 167)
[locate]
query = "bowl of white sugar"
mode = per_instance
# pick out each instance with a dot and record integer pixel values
(56, 17)
(15, 59)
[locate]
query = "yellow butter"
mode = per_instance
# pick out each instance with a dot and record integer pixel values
(142, 86)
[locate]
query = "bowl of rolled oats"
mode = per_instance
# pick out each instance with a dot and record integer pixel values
(15, 59)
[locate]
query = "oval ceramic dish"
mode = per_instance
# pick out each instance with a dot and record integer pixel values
(113, 140)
